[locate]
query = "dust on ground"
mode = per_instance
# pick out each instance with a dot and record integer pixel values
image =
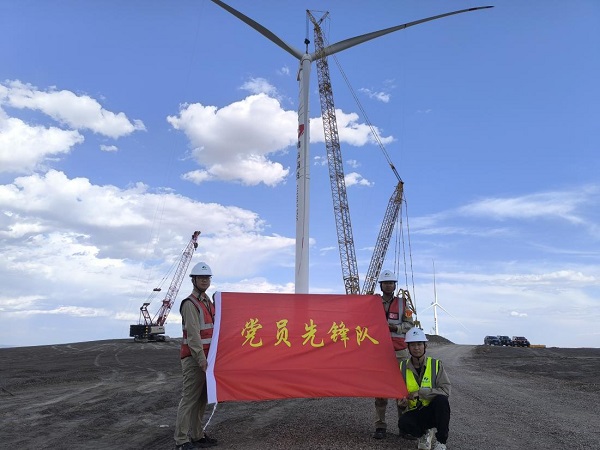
(118, 394)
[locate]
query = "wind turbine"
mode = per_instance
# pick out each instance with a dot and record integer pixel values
(436, 305)
(302, 161)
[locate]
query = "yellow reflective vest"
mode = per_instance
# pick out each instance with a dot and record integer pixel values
(428, 381)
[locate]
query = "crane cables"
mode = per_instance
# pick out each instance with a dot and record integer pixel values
(401, 242)
(399, 239)
(366, 117)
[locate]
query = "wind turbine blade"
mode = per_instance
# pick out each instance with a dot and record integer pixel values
(447, 312)
(433, 304)
(351, 42)
(262, 30)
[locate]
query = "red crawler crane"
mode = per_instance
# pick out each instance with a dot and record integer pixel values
(148, 329)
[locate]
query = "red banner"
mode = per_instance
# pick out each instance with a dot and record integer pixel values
(273, 346)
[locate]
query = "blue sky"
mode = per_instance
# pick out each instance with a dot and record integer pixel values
(125, 126)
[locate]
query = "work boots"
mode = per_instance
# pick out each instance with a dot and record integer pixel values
(379, 433)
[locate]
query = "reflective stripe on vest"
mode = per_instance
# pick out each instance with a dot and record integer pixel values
(428, 381)
(206, 327)
(394, 316)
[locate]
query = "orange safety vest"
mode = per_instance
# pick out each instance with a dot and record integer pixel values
(207, 315)
(394, 316)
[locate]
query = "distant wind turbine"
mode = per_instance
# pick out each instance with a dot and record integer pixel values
(436, 305)
(302, 162)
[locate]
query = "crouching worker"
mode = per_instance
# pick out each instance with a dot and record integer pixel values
(426, 406)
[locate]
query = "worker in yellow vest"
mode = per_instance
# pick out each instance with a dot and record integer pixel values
(426, 407)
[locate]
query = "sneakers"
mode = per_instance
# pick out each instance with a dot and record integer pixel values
(186, 446)
(439, 446)
(205, 442)
(425, 440)
(379, 433)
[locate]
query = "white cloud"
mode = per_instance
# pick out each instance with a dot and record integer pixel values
(260, 86)
(17, 303)
(198, 176)
(575, 207)
(74, 219)
(25, 148)
(285, 70)
(237, 142)
(90, 251)
(555, 204)
(349, 129)
(234, 143)
(379, 96)
(257, 284)
(320, 160)
(327, 249)
(558, 277)
(73, 311)
(354, 178)
(66, 107)
(20, 229)
(109, 148)
(425, 226)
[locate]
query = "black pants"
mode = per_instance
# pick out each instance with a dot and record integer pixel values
(434, 415)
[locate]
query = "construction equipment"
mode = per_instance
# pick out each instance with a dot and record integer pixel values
(341, 209)
(153, 329)
(404, 294)
(381, 247)
(338, 186)
(383, 239)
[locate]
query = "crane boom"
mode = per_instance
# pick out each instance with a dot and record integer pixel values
(154, 329)
(161, 316)
(341, 208)
(383, 239)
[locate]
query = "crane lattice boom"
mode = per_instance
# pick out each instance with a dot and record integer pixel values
(153, 329)
(161, 316)
(341, 209)
(383, 239)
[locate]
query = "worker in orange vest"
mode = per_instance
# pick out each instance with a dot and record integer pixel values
(197, 320)
(399, 319)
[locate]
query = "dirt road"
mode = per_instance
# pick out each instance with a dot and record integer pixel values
(122, 395)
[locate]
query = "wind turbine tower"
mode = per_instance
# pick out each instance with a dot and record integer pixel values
(435, 305)
(303, 162)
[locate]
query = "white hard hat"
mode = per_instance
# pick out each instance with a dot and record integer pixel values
(201, 269)
(387, 275)
(415, 335)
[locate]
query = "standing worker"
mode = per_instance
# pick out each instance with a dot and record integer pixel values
(399, 319)
(197, 320)
(428, 386)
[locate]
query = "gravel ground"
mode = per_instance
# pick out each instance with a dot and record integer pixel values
(123, 395)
